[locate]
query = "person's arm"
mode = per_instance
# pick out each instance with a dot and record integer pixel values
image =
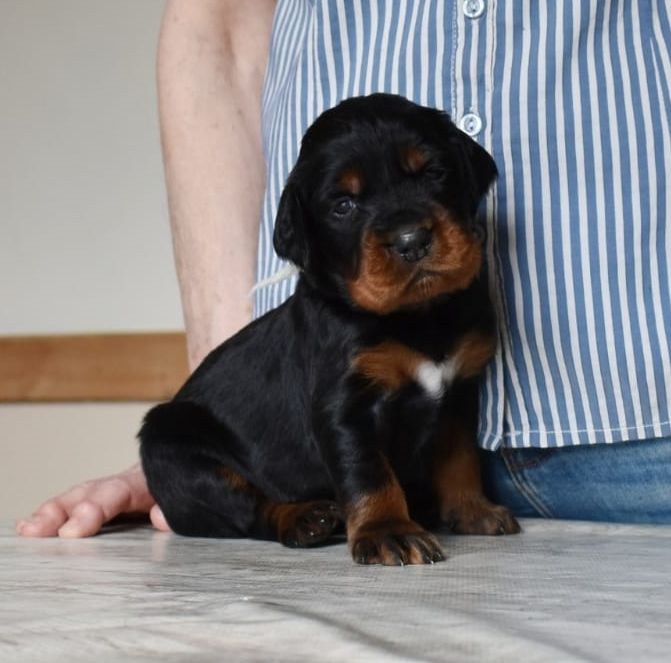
(211, 62)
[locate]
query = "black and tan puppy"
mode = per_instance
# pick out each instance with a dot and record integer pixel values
(356, 400)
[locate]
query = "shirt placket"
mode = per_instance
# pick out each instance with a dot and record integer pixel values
(470, 66)
(473, 59)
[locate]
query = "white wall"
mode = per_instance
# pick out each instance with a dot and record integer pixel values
(84, 235)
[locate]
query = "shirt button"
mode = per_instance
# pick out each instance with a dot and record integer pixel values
(474, 8)
(471, 124)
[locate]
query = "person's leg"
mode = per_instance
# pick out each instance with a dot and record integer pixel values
(628, 482)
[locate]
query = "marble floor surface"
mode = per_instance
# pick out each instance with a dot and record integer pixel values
(560, 591)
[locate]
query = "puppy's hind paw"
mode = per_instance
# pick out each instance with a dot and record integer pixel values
(480, 516)
(309, 523)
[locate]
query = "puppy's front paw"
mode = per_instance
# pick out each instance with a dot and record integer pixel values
(309, 523)
(395, 544)
(477, 515)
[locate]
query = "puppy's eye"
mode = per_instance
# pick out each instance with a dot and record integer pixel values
(343, 207)
(434, 171)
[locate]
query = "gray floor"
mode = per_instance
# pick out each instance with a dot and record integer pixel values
(558, 592)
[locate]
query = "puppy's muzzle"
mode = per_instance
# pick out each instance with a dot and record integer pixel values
(413, 244)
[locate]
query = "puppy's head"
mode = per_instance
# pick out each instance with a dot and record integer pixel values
(380, 207)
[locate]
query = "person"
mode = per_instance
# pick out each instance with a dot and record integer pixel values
(574, 103)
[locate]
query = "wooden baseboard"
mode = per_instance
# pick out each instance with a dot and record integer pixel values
(98, 367)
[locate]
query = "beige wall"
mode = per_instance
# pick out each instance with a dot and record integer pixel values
(47, 448)
(84, 238)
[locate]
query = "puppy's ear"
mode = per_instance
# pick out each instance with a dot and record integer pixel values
(479, 166)
(290, 238)
(483, 167)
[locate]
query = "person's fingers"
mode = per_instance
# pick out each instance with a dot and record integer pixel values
(85, 508)
(158, 519)
(86, 519)
(106, 499)
(46, 521)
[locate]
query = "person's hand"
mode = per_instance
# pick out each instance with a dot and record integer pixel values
(85, 508)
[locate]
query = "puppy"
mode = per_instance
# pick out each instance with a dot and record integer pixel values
(354, 402)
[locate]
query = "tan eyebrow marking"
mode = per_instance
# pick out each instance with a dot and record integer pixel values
(413, 159)
(351, 181)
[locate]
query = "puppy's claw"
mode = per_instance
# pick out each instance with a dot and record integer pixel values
(396, 545)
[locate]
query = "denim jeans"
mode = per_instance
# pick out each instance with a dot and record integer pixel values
(628, 482)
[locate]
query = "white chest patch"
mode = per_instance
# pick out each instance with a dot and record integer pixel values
(436, 378)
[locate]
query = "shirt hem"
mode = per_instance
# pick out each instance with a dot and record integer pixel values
(557, 439)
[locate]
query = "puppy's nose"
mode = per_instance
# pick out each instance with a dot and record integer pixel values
(413, 244)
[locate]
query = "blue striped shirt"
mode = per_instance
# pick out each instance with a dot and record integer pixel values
(573, 99)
